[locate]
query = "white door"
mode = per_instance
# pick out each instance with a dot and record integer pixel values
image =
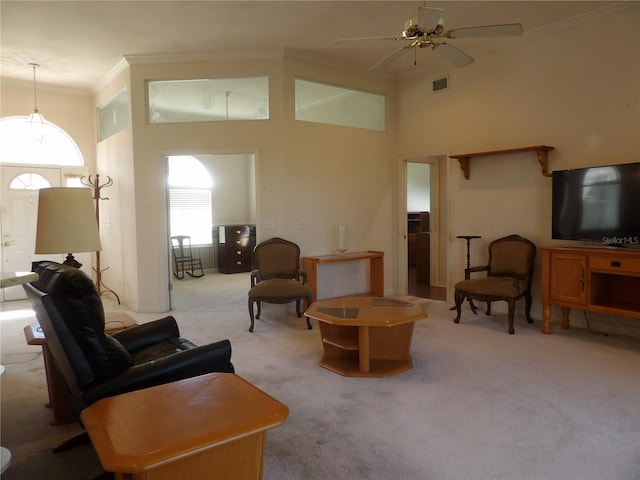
(18, 215)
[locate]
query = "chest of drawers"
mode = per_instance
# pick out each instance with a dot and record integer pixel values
(235, 245)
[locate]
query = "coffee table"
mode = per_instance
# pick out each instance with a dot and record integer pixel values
(210, 426)
(367, 336)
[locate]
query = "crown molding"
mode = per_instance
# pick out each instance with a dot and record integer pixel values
(118, 68)
(139, 59)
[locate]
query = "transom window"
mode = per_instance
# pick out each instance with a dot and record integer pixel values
(323, 103)
(29, 181)
(208, 99)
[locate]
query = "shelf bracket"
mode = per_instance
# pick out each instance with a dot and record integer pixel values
(543, 159)
(541, 151)
(465, 165)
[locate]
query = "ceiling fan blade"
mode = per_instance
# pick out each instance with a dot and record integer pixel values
(367, 39)
(451, 53)
(508, 29)
(429, 17)
(392, 57)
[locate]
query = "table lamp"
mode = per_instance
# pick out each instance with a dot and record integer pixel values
(67, 223)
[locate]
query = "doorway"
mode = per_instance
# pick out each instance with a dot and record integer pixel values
(232, 201)
(424, 273)
(19, 193)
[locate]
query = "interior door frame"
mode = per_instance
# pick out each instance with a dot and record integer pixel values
(256, 201)
(438, 220)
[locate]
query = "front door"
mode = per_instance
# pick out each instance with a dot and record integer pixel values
(18, 215)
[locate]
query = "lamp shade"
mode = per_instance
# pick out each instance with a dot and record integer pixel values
(67, 221)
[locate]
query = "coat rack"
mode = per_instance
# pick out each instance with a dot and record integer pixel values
(95, 185)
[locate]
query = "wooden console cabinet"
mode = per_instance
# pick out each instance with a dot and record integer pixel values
(594, 279)
(235, 247)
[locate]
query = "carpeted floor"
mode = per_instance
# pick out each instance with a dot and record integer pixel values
(478, 404)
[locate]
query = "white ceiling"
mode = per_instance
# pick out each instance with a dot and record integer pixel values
(77, 43)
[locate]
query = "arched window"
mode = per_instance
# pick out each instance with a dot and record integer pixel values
(190, 199)
(48, 144)
(29, 181)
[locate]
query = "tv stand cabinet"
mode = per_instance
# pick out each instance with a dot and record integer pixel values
(593, 279)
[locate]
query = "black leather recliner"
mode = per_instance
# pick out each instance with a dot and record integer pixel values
(96, 365)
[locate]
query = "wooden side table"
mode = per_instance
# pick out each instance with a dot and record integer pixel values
(211, 426)
(61, 407)
(376, 270)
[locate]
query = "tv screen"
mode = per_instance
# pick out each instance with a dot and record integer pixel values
(597, 204)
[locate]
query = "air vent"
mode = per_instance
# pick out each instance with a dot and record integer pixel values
(440, 84)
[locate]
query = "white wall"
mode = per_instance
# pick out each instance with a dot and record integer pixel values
(565, 87)
(233, 196)
(114, 158)
(307, 174)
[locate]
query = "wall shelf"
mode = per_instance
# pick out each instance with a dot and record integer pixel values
(541, 150)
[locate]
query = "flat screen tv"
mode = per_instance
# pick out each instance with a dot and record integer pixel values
(597, 204)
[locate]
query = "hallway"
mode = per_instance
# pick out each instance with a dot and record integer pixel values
(425, 291)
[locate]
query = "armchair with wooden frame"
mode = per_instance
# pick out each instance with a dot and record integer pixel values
(508, 277)
(277, 277)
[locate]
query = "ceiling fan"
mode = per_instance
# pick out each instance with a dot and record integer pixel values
(427, 30)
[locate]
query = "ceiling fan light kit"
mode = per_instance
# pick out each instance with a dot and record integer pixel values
(427, 30)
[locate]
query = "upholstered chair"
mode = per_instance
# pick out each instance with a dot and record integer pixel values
(508, 277)
(277, 277)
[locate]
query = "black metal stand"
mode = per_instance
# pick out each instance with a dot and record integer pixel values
(467, 274)
(468, 238)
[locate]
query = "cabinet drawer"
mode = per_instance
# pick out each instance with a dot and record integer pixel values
(240, 243)
(614, 263)
(238, 231)
(239, 259)
(235, 254)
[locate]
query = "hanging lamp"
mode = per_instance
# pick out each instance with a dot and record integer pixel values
(226, 98)
(36, 120)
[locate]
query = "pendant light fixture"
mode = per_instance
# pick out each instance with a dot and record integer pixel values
(36, 120)
(226, 98)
